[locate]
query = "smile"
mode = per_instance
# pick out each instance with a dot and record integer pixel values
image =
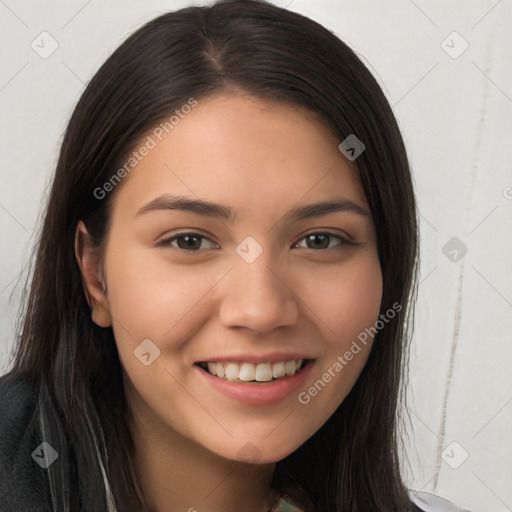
(265, 383)
(249, 372)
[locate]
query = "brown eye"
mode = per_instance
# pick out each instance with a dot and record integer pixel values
(188, 242)
(321, 240)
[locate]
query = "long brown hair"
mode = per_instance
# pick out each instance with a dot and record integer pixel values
(352, 463)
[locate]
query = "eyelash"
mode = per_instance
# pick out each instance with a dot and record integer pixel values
(167, 241)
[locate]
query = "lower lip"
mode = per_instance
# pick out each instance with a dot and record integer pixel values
(259, 394)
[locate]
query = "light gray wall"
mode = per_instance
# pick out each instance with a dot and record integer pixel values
(455, 112)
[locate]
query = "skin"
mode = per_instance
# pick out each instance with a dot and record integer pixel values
(262, 159)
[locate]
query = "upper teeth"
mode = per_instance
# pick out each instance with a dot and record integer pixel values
(246, 372)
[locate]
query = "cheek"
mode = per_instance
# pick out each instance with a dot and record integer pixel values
(347, 303)
(359, 300)
(345, 299)
(150, 297)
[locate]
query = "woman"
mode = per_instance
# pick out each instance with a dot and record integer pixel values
(186, 344)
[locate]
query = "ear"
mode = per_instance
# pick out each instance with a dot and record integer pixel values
(87, 256)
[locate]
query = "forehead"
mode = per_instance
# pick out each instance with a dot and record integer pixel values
(246, 152)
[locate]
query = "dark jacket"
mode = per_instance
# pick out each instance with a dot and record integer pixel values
(32, 473)
(23, 483)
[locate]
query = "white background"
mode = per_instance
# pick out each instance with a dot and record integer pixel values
(456, 119)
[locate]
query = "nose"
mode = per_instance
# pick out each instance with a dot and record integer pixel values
(258, 296)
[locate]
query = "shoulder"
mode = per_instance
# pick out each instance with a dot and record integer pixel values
(17, 409)
(429, 502)
(17, 406)
(21, 484)
(15, 386)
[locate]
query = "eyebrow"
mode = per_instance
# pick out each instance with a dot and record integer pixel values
(210, 209)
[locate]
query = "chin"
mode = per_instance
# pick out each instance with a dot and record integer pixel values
(257, 450)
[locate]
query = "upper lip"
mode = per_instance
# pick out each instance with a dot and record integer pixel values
(274, 357)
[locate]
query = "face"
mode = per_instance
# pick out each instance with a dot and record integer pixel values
(250, 289)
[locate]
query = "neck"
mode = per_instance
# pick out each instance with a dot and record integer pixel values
(176, 473)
